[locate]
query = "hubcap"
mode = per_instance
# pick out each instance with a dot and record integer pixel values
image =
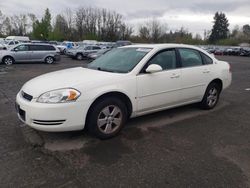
(79, 57)
(109, 119)
(212, 97)
(8, 61)
(49, 60)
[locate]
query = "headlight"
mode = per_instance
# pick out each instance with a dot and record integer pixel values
(59, 96)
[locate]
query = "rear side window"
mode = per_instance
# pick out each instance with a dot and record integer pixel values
(36, 48)
(96, 48)
(41, 48)
(49, 48)
(190, 57)
(207, 60)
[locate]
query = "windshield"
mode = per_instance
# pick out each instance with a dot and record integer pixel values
(121, 60)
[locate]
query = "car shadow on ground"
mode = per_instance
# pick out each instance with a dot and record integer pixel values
(63, 141)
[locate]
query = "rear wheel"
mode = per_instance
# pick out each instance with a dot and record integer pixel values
(49, 60)
(8, 60)
(107, 118)
(211, 96)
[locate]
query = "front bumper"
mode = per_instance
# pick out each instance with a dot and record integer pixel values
(51, 117)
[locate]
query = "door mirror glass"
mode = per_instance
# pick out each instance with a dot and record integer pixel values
(154, 68)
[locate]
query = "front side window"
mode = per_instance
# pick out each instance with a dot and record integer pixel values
(166, 59)
(190, 57)
(121, 60)
(22, 48)
(88, 48)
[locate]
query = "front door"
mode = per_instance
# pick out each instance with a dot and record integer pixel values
(21, 53)
(161, 89)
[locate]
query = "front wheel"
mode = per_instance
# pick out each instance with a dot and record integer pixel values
(107, 118)
(49, 60)
(8, 60)
(211, 96)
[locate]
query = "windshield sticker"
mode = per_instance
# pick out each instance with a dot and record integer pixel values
(144, 50)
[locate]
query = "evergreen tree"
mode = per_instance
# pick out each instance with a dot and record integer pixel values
(220, 29)
(43, 28)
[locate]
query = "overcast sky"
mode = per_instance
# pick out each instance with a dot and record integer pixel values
(195, 15)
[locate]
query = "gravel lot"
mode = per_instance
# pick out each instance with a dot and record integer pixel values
(183, 147)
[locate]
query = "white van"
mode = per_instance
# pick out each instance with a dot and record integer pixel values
(17, 38)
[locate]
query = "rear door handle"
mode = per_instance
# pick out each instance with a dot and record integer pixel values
(206, 71)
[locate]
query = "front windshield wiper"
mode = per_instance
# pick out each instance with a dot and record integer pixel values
(105, 70)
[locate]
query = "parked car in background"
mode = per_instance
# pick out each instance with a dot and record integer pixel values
(30, 53)
(10, 43)
(66, 45)
(126, 82)
(97, 54)
(245, 52)
(120, 43)
(82, 52)
(22, 39)
(218, 51)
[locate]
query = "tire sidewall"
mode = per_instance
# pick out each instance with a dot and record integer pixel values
(203, 103)
(94, 113)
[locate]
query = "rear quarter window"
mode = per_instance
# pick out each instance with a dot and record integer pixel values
(50, 48)
(207, 60)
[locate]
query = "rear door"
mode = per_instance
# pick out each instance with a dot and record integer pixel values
(196, 74)
(37, 52)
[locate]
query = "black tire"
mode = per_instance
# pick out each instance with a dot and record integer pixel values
(96, 117)
(8, 60)
(64, 51)
(79, 56)
(49, 60)
(211, 96)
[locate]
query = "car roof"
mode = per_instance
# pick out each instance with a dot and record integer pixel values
(45, 44)
(161, 46)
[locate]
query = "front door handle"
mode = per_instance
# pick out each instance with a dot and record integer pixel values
(175, 76)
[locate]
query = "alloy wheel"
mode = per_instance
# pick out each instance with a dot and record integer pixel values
(109, 119)
(212, 97)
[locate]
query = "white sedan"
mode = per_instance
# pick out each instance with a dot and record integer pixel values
(126, 82)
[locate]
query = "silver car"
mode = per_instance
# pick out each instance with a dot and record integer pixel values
(30, 53)
(82, 52)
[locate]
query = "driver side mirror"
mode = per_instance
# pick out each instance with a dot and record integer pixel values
(154, 68)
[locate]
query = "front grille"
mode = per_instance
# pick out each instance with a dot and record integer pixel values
(26, 96)
(48, 122)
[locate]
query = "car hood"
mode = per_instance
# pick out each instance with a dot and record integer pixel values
(77, 78)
